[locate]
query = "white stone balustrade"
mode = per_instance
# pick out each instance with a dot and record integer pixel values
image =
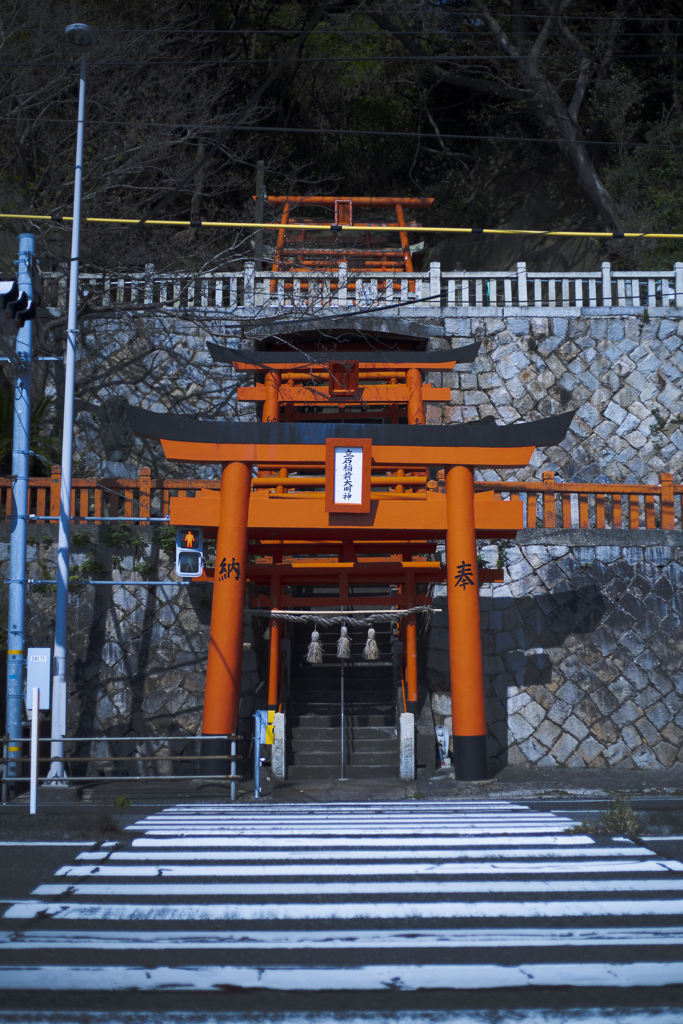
(250, 290)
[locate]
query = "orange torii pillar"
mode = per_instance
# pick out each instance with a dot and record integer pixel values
(464, 628)
(271, 406)
(224, 666)
(416, 409)
(411, 645)
(274, 662)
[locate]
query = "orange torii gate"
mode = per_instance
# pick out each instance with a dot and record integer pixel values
(318, 510)
(379, 384)
(360, 250)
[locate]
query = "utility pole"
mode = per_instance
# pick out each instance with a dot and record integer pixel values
(21, 444)
(260, 194)
(82, 38)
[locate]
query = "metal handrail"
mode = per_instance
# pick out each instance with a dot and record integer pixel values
(121, 739)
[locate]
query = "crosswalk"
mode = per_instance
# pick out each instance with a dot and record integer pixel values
(450, 895)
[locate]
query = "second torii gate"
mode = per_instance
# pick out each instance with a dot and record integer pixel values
(239, 512)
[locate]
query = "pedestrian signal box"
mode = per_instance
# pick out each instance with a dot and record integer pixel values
(189, 551)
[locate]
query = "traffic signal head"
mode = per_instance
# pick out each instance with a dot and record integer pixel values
(16, 306)
(189, 551)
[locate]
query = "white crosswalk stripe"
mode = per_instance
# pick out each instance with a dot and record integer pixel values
(446, 895)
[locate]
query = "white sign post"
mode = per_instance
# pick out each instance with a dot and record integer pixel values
(38, 665)
(35, 704)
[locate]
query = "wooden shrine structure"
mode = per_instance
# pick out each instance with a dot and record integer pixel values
(277, 523)
(343, 485)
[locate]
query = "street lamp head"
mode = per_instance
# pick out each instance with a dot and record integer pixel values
(81, 37)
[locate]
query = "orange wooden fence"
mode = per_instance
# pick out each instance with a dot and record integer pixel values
(554, 504)
(550, 503)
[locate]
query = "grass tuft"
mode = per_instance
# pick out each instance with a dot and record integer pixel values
(618, 820)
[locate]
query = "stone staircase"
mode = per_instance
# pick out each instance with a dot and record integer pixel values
(370, 717)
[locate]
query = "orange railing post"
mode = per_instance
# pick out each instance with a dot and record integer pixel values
(548, 498)
(145, 493)
(667, 517)
(55, 488)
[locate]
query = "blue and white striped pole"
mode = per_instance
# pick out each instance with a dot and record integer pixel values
(17, 549)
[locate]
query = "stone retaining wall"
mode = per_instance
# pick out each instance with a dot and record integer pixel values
(622, 372)
(136, 656)
(583, 651)
(583, 643)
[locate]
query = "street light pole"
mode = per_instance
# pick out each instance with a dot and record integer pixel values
(17, 546)
(81, 38)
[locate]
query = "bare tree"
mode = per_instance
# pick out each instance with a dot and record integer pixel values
(548, 71)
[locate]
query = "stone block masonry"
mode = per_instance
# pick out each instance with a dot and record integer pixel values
(136, 656)
(622, 373)
(583, 641)
(621, 370)
(583, 651)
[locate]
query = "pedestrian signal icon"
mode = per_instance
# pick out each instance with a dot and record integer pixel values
(189, 551)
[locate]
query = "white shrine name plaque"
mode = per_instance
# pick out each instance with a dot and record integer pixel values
(347, 474)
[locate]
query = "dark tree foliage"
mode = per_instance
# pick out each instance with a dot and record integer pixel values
(518, 113)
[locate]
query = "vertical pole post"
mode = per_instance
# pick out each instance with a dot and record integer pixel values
(260, 195)
(5, 787)
(233, 769)
(21, 442)
(249, 284)
(678, 283)
(224, 665)
(271, 406)
(416, 409)
(403, 238)
(274, 660)
(342, 284)
(145, 493)
(35, 716)
(667, 519)
(522, 293)
(257, 756)
(341, 705)
(464, 627)
(149, 284)
(606, 284)
(435, 284)
(59, 692)
(549, 498)
(411, 646)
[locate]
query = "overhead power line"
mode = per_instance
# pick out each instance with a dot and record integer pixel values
(340, 30)
(343, 228)
(449, 58)
(350, 131)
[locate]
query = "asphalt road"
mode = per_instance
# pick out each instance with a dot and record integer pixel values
(467, 910)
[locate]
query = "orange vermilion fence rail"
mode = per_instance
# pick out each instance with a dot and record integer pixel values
(139, 498)
(556, 505)
(550, 504)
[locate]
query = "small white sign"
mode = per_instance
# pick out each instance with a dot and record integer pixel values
(348, 476)
(38, 674)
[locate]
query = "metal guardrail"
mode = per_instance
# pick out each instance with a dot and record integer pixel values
(34, 757)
